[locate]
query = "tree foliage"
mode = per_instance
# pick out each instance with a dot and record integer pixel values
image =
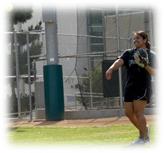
(20, 15)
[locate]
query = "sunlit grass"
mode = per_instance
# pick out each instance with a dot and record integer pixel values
(115, 134)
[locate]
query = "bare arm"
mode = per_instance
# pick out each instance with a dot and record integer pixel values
(150, 70)
(115, 66)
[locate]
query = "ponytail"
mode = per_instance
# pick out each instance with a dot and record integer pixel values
(148, 45)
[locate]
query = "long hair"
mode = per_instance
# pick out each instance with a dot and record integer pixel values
(144, 35)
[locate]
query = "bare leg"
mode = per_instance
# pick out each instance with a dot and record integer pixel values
(139, 106)
(129, 112)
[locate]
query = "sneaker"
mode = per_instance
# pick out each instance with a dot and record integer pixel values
(147, 141)
(139, 141)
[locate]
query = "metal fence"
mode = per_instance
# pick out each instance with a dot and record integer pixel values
(22, 74)
(99, 35)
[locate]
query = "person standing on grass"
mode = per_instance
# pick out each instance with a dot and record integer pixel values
(139, 62)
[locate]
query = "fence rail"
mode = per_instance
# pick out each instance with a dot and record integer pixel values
(81, 54)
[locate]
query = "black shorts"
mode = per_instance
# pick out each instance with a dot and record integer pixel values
(135, 93)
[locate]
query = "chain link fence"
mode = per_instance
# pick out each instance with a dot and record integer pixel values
(90, 37)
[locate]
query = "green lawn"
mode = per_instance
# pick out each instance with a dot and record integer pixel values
(115, 134)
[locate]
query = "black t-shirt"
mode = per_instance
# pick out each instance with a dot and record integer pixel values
(137, 77)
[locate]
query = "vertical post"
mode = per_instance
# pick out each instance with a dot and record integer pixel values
(49, 16)
(151, 26)
(119, 71)
(29, 74)
(104, 32)
(34, 69)
(91, 93)
(17, 72)
(75, 102)
(53, 76)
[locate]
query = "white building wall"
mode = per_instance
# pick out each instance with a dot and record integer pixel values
(69, 22)
(69, 25)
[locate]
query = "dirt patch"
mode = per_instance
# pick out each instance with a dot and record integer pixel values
(76, 123)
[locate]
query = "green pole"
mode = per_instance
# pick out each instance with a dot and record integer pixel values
(53, 87)
(53, 76)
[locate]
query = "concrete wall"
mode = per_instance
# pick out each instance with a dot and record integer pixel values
(92, 114)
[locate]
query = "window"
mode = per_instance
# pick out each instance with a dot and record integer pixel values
(95, 28)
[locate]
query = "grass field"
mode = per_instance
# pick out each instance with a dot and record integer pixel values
(54, 133)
